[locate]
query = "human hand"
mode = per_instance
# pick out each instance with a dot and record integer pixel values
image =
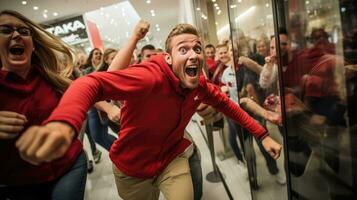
(208, 113)
(140, 30)
(11, 123)
(45, 143)
(272, 147)
(225, 90)
(114, 114)
(273, 117)
(243, 60)
(270, 61)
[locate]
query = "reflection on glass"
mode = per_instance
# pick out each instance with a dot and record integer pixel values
(313, 66)
(252, 27)
(212, 20)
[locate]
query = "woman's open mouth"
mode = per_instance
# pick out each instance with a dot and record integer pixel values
(17, 50)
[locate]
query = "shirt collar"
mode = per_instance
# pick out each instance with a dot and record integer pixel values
(8, 75)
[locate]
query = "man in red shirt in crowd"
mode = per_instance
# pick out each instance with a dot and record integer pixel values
(210, 53)
(160, 98)
(147, 51)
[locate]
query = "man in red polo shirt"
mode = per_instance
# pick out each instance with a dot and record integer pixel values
(160, 98)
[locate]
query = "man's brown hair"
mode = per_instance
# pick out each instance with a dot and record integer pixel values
(178, 30)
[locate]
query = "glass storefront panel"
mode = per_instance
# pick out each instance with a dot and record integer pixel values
(251, 30)
(212, 20)
(317, 59)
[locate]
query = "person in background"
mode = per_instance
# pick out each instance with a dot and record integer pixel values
(81, 61)
(147, 51)
(97, 127)
(210, 54)
(41, 165)
(262, 46)
(93, 61)
(96, 154)
(224, 60)
(108, 57)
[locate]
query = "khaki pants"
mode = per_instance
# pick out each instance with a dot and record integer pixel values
(174, 182)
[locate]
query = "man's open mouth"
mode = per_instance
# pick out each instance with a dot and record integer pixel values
(191, 70)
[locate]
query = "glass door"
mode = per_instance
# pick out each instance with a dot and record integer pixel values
(316, 64)
(252, 28)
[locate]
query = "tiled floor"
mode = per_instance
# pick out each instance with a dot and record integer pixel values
(101, 185)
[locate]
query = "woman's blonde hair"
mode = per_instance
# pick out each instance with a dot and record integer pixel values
(104, 65)
(47, 53)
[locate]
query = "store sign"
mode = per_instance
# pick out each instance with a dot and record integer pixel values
(72, 31)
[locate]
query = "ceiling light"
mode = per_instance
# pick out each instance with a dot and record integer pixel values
(153, 14)
(307, 2)
(35, 7)
(215, 5)
(251, 9)
(45, 15)
(198, 9)
(45, 11)
(158, 29)
(148, 1)
(239, 1)
(267, 5)
(217, 8)
(233, 6)
(219, 12)
(156, 25)
(213, 1)
(152, 11)
(216, 23)
(24, 2)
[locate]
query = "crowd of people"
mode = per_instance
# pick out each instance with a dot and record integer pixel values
(51, 96)
(43, 110)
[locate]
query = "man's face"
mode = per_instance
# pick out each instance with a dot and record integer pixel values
(284, 45)
(147, 53)
(210, 52)
(186, 59)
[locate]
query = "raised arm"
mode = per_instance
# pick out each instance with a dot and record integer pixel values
(123, 57)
